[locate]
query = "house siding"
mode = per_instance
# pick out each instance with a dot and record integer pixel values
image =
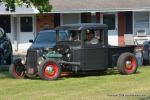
(121, 28)
(44, 21)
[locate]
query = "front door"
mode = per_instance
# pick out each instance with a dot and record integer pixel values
(95, 53)
(111, 20)
(26, 31)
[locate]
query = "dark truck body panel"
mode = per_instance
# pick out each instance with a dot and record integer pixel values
(99, 58)
(92, 57)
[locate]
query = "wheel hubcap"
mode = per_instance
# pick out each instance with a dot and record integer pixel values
(49, 69)
(128, 64)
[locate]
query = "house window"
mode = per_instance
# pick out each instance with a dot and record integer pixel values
(85, 17)
(93, 18)
(56, 19)
(26, 24)
(129, 23)
(141, 23)
(109, 20)
(5, 23)
(70, 19)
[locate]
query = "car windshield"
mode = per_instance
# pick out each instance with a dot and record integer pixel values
(45, 37)
(71, 35)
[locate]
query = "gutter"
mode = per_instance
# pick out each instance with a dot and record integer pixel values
(100, 10)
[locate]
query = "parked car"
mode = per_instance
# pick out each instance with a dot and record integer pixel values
(5, 49)
(85, 48)
(146, 53)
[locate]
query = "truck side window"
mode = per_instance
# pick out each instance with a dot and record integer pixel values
(93, 37)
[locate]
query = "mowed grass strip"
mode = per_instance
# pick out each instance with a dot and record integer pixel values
(110, 86)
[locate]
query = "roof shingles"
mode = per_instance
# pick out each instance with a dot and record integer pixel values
(99, 5)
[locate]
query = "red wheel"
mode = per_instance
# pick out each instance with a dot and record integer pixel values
(49, 70)
(127, 63)
(17, 70)
(130, 64)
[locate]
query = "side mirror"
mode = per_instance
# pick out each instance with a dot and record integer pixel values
(31, 41)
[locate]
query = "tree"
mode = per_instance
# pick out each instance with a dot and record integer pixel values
(41, 5)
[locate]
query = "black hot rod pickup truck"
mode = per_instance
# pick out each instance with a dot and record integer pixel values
(79, 48)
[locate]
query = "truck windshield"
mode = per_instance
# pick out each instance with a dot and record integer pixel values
(71, 35)
(46, 37)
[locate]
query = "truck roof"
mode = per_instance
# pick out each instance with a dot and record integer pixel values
(82, 26)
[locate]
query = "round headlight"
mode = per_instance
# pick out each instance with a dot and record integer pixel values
(23, 61)
(39, 62)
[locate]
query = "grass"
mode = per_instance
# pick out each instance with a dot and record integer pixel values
(110, 86)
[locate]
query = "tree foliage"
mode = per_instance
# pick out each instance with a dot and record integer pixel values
(41, 5)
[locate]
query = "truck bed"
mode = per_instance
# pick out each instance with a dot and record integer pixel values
(115, 51)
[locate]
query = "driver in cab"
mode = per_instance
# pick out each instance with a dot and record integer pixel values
(91, 39)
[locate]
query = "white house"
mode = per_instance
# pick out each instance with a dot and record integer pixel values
(20, 25)
(128, 20)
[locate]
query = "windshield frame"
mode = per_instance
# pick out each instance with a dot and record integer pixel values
(45, 32)
(70, 36)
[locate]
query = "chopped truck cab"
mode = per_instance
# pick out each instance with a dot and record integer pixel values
(83, 48)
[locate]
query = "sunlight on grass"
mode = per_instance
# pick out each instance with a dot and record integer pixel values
(103, 87)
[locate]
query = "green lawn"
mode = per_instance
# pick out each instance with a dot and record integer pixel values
(112, 86)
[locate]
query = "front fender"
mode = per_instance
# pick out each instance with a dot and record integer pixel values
(18, 60)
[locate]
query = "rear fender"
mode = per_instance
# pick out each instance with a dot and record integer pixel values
(115, 59)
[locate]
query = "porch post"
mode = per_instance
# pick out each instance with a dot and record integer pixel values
(15, 26)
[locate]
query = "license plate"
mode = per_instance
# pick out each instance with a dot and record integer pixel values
(30, 70)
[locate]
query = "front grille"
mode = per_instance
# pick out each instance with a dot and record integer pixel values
(32, 59)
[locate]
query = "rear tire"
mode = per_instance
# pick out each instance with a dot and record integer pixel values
(127, 63)
(17, 70)
(49, 70)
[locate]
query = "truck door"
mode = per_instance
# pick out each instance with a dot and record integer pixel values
(95, 52)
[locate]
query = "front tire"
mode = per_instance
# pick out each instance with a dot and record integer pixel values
(49, 70)
(127, 63)
(17, 69)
